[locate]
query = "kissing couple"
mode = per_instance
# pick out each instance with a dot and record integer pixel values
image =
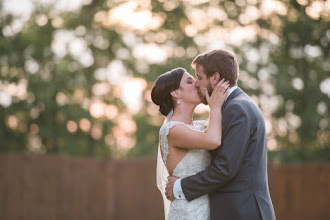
(216, 171)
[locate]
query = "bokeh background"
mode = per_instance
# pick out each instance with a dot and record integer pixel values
(75, 76)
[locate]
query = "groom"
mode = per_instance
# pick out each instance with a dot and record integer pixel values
(236, 179)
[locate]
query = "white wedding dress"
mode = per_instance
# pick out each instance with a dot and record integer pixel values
(194, 161)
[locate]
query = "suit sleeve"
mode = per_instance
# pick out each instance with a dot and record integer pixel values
(229, 156)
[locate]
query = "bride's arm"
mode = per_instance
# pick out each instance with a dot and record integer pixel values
(185, 137)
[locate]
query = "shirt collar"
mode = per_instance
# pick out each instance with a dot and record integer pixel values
(231, 90)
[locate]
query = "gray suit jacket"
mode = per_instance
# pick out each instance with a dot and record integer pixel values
(236, 179)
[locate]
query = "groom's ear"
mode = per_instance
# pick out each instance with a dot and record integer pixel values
(214, 79)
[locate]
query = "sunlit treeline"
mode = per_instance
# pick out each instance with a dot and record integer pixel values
(76, 75)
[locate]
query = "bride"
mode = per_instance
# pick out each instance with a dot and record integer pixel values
(184, 143)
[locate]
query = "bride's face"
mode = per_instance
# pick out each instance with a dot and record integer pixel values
(188, 91)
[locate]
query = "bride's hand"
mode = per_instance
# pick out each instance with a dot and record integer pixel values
(218, 95)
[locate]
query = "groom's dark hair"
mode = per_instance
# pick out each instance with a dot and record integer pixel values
(222, 61)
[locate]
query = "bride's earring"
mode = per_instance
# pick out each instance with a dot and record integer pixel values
(178, 101)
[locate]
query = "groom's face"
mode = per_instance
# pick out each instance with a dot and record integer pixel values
(202, 81)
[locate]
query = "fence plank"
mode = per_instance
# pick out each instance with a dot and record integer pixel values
(4, 194)
(15, 187)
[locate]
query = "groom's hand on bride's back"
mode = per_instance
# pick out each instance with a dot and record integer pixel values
(169, 187)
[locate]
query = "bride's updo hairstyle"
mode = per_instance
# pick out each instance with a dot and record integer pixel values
(164, 85)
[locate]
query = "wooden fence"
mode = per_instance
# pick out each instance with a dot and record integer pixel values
(49, 187)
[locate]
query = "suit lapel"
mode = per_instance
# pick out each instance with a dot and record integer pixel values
(235, 93)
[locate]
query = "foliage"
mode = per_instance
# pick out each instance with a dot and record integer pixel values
(66, 72)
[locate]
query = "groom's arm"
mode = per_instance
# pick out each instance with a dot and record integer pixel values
(230, 155)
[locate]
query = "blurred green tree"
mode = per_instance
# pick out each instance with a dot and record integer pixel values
(76, 78)
(301, 81)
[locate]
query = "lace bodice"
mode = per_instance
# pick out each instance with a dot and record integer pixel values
(194, 161)
(165, 130)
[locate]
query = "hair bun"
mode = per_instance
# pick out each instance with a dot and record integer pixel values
(159, 97)
(166, 106)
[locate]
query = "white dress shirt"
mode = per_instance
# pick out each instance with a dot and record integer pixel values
(177, 189)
